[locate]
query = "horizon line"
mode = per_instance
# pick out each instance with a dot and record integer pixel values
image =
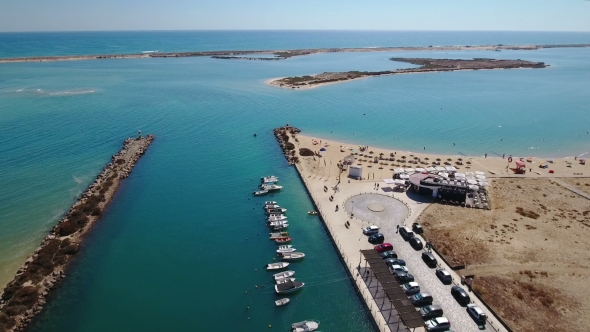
(288, 30)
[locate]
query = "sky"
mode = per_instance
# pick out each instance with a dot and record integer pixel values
(86, 15)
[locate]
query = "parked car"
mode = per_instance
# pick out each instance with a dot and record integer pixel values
(478, 315)
(403, 277)
(416, 243)
(388, 254)
(406, 233)
(376, 238)
(421, 299)
(371, 230)
(438, 324)
(460, 295)
(417, 228)
(399, 268)
(394, 261)
(429, 259)
(383, 247)
(444, 276)
(431, 311)
(411, 288)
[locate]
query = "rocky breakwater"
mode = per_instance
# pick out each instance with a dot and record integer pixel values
(283, 135)
(26, 294)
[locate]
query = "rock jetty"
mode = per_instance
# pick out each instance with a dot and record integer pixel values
(26, 294)
(283, 135)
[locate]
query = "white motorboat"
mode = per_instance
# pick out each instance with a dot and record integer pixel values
(277, 266)
(279, 227)
(292, 256)
(274, 206)
(283, 249)
(269, 179)
(284, 280)
(275, 235)
(275, 211)
(271, 187)
(277, 217)
(305, 326)
(284, 274)
(267, 203)
(288, 287)
(278, 223)
(282, 302)
(260, 192)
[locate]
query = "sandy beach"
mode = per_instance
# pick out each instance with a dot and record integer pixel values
(319, 173)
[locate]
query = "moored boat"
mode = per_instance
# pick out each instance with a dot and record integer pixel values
(269, 179)
(285, 248)
(284, 274)
(260, 192)
(292, 256)
(271, 187)
(284, 280)
(285, 239)
(273, 206)
(278, 235)
(267, 203)
(313, 213)
(305, 326)
(282, 302)
(289, 287)
(277, 266)
(275, 211)
(277, 217)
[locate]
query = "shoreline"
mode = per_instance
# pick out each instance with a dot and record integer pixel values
(24, 297)
(284, 54)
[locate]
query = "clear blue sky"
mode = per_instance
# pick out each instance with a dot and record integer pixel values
(72, 15)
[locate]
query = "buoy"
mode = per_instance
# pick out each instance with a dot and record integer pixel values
(256, 287)
(246, 292)
(255, 269)
(269, 326)
(247, 308)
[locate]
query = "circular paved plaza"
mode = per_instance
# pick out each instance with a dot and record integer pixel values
(377, 209)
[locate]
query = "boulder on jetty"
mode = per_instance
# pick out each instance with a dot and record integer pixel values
(26, 294)
(283, 135)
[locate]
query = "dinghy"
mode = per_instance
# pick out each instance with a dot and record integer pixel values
(284, 274)
(293, 256)
(282, 302)
(284, 249)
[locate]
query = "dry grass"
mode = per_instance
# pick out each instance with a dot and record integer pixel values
(582, 184)
(530, 254)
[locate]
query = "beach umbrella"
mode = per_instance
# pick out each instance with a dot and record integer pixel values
(460, 159)
(437, 159)
(449, 159)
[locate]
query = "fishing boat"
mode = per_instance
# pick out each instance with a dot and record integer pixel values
(267, 203)
(312, 213)
(293, 256)
(288, 287)
(275, 211)
(268, 207)
(277, 266)
(271, 187)
(284, 239)
(282, 302)
(284, 274)
(305, 326)
(270, 178)
(260, 192)
(280, 226)
(276, 235)
(278, 223)
(277, 217)
(284, 280)
(285, 248)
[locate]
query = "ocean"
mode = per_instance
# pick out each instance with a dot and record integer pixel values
(183, 244)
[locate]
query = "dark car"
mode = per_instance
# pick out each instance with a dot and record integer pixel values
(460, 295)
(383, 247)
(416, 243)
(431, 311)
(417, 228)
(406, 233)
(478, 315)
(403, 277)
(421, 299)
(388, 254)
(429, 259)
(394, 261)
(376, 238)
(444, 276)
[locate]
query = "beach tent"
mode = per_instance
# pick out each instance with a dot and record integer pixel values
(399, 182)
(459, 175)
(398, 170)
(430, 169)
(484, 184)
(420, 169)
(481, 177)
(443, 174)
(472, 182)
(404, 176)
(482, 173)
(473, 187)
(451, 169)
(469, 174)
(440, 168)
(410, 170)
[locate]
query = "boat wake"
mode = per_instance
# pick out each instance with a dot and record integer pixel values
(65, 92)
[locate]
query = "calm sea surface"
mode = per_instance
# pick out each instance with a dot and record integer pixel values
(179, 247)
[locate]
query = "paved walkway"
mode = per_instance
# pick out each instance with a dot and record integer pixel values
(570, 188)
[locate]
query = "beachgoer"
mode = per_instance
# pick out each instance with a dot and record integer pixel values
(503, 155)
(486, 155)
(397, 230)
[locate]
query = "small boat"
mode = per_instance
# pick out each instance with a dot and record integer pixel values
(260, 192)
(278, 226)
(277, 266)
(284, 280)
(275, 211)
(270, 187)
(268, 207)
(278, 235)
(293, 256)
(270, 178)
(312, 213)
(278, 223)
(288, 287)
(284, 274)
(277, 217)
(305, 326)
(267, 203)
(286, 248)
(282, 240)
(282, 302)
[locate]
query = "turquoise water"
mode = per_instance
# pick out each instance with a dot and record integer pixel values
(179, 246)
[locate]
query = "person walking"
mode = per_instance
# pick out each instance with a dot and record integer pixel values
(397, 230)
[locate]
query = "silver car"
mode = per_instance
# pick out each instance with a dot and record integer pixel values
(411, 288)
